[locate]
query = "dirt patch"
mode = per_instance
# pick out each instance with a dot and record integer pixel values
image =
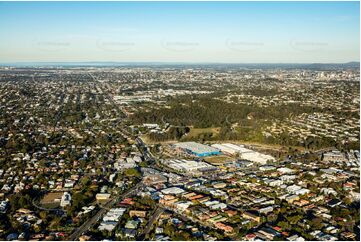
(51, 197)
(218, 160)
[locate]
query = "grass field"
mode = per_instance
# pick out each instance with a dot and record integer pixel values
(194, 132)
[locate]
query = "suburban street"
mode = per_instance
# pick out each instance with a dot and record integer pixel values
(155, 216)
(92, 221)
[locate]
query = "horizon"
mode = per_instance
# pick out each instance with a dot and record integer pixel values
(183, 65)
(180, 32)
(178, 62)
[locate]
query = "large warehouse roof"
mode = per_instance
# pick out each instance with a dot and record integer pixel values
(197, 148)
(187, 165)
(245, 153)
(172, 190)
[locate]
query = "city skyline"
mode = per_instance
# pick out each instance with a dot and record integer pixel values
(193, 32)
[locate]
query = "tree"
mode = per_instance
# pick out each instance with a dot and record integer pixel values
(316, 223)
(43, 215)
(132, 172)
(293, 219)
(284, 225)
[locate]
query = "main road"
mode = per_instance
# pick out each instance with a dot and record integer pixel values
(155, 216)
(92, 221)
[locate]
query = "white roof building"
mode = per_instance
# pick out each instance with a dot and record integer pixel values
(225, 149)
(285, 170)
(111, 219)
(245, 153)
(108, 226)
(172, 190)
(302, 191)
(183, 205)
(187, 165)
(293, 188)
(295, 238)
(288, 177)
(218, 206)
(267, 168)
(65, 199)
(114, 214)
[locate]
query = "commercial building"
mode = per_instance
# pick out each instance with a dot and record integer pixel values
(257, 157)
(245, 154)
(189, 166)
(285, 170)
(172, 190)
(197, 149)
(225, 149)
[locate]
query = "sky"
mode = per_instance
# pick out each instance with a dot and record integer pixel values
(220, 32)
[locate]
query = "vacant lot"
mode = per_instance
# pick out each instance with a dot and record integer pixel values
(218, 160)
(50, 197)
(196, 132)
(147, 140)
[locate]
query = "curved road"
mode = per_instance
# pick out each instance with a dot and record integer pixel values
(56, 210)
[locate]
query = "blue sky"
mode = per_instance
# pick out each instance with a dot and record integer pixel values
(229, 32)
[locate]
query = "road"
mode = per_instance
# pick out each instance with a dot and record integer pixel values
(148, 156)
(184, 217)
(56, 210)
(92, 221)
(155, 216)
(323, 150)
(144, 150)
